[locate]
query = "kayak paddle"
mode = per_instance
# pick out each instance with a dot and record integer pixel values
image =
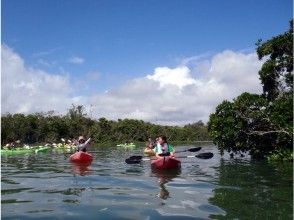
(195, 149)
(139, 159)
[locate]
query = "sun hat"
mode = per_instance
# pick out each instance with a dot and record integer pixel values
(81, 138)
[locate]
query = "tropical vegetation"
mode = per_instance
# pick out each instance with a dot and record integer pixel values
(261, 124)
(49, 127)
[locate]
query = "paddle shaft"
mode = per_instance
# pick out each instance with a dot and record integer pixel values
(190, 156)
(134, 160)
(194, 149)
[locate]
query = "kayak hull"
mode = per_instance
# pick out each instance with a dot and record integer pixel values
(42, 149)
(149, 152)
(81, 157)
(165, 163)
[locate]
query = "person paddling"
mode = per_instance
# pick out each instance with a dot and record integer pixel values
(82, 144)
(150, 144)
(163, 147)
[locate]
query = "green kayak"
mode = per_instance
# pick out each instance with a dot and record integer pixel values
(25, 150)
(42, 149)
(126, 145)
(17, 151)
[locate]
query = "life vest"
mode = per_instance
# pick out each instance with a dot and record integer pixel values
(163, 149)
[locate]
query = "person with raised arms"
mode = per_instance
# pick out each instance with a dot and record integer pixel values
(82, 144)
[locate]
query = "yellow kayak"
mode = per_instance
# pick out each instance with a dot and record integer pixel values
(149, 152)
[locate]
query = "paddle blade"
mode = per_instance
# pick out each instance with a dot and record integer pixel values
(195, 149)
(135, 157)
(132, 161)
(207, 155)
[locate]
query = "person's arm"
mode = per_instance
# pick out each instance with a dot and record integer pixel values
(83, 145)
(87, 141)
(75, 142)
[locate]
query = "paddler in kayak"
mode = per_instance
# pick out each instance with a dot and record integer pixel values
(150, 144)
(163, 147)
(82, 144)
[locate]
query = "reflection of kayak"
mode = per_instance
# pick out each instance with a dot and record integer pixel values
(165, 176)
(149, 152)
(165, 163)
(81, 168)
(17, 151)
(81, 157)
(126, 145)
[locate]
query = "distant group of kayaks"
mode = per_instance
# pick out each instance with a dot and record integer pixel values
(163, 162)
(34, 149)
(46, 148)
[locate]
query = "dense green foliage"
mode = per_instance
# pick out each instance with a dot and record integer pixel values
(46, 127)
(261, 124)
(276, 74)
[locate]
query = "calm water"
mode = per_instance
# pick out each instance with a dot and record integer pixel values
(48, 186)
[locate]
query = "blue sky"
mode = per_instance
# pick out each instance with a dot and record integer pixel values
(102, 45)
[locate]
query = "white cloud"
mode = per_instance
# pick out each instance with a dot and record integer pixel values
(26, 90)
(179, 76)
(173, 96)
(76, 60)
(180, 95)
(47, 52)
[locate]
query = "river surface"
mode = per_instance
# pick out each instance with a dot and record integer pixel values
(48, 186)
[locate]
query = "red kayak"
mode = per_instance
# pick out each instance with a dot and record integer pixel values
(81, 157)
(165, 163)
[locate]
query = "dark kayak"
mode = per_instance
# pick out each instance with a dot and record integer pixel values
(165, 163)
(81, 157)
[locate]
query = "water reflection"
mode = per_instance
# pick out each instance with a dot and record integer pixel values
(251, 189)
(48, 186)
(81, 169)
(165, 176)
(135, 170)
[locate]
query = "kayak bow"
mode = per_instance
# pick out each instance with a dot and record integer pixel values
(165, 163)
(81, 157)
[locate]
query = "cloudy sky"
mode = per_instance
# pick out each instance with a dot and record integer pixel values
(167, 62)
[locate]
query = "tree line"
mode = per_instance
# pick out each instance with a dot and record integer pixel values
(49, 128)
(261, 124)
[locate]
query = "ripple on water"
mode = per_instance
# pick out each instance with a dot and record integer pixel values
(48, 186)
(12, 191)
